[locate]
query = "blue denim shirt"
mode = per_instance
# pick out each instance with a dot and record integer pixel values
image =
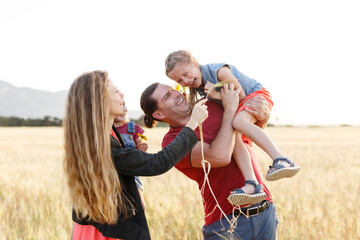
(209, 73)
(129, 143)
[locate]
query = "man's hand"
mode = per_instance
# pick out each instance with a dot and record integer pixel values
(258, 107)
(230, 97)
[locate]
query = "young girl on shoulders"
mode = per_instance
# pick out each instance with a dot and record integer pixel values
(206, 80)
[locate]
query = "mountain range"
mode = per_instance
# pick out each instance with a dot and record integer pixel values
(26, 102)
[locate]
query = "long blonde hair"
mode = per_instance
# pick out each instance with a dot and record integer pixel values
(184, 57)
(94, 185)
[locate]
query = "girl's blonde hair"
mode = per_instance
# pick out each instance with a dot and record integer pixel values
(182, 56)
(94, 185)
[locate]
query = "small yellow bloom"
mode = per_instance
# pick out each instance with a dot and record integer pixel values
(221, 84)
(178, 87)
(218, 85)
(142, 137)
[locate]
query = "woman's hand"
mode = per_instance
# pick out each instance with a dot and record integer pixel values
(198, 114)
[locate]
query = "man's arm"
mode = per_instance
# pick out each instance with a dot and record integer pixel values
(219, 152)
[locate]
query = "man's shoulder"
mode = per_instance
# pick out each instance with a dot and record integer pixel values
(214, 108)
(170, 135)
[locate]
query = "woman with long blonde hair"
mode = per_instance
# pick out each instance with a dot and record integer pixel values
(100, 171)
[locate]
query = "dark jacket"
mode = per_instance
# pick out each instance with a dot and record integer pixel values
(130, 163)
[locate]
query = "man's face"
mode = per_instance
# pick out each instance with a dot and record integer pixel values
(171, 104)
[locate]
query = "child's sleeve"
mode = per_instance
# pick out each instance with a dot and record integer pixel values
(138, 129)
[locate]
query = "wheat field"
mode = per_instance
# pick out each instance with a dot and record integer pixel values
(321, 202)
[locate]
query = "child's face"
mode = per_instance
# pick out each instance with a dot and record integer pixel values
(187, 75)
(122, 117)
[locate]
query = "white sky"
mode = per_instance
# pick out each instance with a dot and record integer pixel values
(307, 53)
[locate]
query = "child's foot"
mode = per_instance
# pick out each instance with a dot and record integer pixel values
(250, 193)
(281, 168)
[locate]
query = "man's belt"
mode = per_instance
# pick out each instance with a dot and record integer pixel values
(254, 211)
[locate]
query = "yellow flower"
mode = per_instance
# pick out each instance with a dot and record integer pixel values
(180, 88)
(142, 137)
(219, 85)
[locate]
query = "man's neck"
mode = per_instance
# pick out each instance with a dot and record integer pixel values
(178, 122)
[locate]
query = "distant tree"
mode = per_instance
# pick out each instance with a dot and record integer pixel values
(46, 121)
(30, 122)
(15, 121)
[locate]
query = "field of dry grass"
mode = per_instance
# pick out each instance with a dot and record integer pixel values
(319, 203)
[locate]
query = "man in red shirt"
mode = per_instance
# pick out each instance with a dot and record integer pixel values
(161, 103)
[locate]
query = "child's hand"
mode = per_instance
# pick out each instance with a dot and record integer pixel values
(142, 137)
(211, 92)
(142, 146)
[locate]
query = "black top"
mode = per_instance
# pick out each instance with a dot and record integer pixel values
(130, 163)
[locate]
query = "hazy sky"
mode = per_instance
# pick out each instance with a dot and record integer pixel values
(307, 53)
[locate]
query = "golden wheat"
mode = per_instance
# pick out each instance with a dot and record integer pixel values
(319, 203)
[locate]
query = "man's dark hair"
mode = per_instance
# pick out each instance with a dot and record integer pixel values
(149, 105)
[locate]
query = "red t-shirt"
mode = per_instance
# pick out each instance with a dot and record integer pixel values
(222, 179)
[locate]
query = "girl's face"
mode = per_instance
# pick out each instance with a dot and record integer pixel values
(187, 75)
(116, 98)
(121, 118)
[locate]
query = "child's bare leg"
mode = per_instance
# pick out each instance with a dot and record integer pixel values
(244, 123)
(282, 167)
(243, 160)
(252, 192)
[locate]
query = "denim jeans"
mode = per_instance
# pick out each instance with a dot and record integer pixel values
(262, 226)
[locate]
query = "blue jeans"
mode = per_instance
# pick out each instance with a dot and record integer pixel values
(260, 227)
